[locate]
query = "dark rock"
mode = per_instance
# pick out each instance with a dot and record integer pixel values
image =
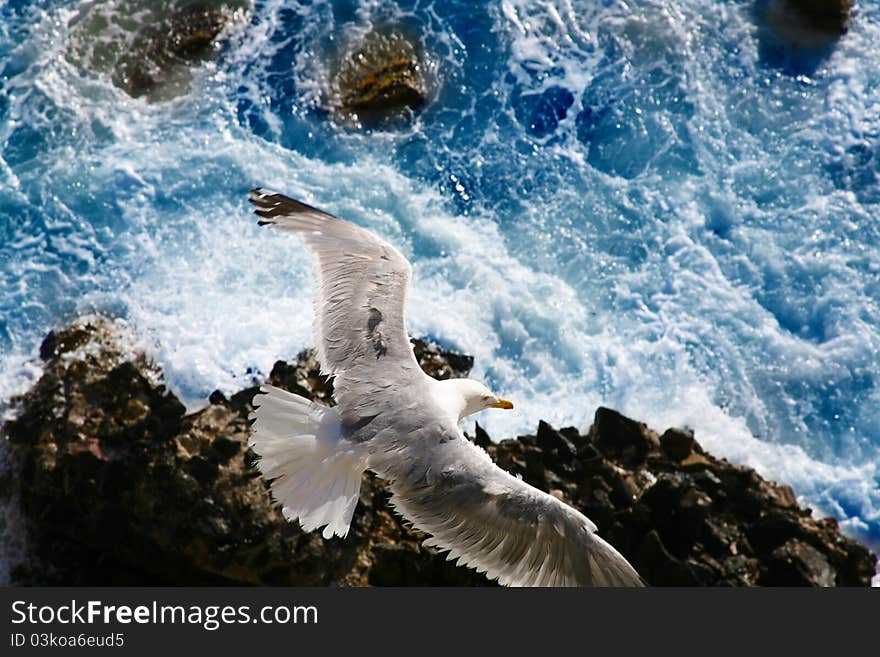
(549, 439)
(797, 564)
(409, 565)
(617, 435)
(56, 344)
(226, 447)
(709, 481)
(679, 509)
(702, 573)
(783, 496)
(659, 567)
(218, 397)
(587, 453)
(721, 536)
(773, 528)
(203, 470)
(183, 38)
(677, 443)
(599, 507)
(148, 48)
(855, 563)
(380, 79)
(808, 23)
(303, 377)
(624, 490)
(441, 363)
(481, 438)
(117, 485)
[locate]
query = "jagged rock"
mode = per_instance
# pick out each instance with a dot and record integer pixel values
(809, 23)
(662, 568)
(796, 563)
(551, 441)
(677, 443)
(119, 486)
(148, 48)
(379, 79)
(617, 435)
(481, 438)
(441, 363)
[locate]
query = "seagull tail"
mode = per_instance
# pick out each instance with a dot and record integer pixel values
(315, 474)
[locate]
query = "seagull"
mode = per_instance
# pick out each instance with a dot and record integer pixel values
(396, 421)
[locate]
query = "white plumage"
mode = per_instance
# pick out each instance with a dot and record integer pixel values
(395, 420)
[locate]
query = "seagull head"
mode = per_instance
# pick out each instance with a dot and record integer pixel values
(463, 397)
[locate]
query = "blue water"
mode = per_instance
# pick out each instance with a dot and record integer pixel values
(646, 205)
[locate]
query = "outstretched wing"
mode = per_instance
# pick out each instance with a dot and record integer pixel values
(360, 320)
(498, 524)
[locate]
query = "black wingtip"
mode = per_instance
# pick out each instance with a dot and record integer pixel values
(273, 204)
(259, 195)
(266, 203)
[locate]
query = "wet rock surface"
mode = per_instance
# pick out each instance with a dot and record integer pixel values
(808, 23)
(380, 79)
(118, 485)
(147, 48)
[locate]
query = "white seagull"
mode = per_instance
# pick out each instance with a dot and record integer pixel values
(392, 418)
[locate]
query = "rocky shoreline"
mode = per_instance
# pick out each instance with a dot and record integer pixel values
(117, 485)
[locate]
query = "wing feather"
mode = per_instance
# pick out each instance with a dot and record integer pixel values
(363, 280)
(443, 484)
(491, 521)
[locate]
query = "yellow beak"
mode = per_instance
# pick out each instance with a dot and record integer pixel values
(502, 403)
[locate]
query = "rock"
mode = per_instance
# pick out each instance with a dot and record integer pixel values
(659, 567)
(225, 448)
(118, 485)
(303, 377)
(551, 440)
(783, 496)
(679, 509)
(147, 48)
(380, 79)
(617, 435)
(677, 443)
(598, 507)
(441, 363)
(54, 344)
(481, 438)
(808, 23)
(797, 564)
(773, 528)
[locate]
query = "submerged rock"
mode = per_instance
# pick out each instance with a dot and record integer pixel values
(380, 79)
(147, 48)
(118, 485)
(809, 23)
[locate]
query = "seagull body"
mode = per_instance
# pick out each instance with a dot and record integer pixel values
(395, 420)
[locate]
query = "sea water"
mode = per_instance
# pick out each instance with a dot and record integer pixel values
(648, 205)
